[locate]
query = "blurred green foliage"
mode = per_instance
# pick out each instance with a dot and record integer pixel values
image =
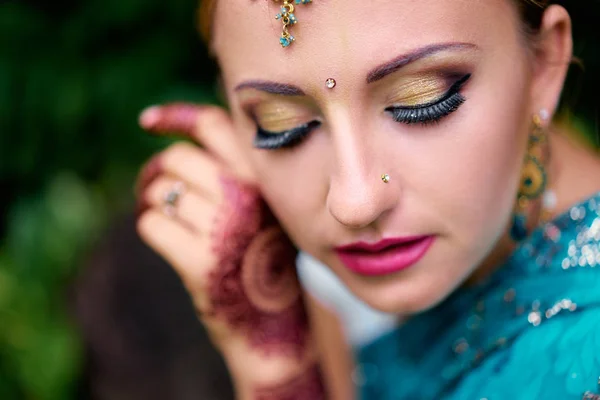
(73, 77)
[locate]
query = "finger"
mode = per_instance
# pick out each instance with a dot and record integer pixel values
(196, 168)
(149, 172)
(190, 256)
(174, 118)
(209, 126)
(215, 130)
(192, 209)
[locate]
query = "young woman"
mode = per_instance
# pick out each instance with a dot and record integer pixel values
(409, 147)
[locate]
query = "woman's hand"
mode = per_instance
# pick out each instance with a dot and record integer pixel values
(200, 210)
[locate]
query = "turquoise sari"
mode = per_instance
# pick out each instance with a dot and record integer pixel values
(531, 331)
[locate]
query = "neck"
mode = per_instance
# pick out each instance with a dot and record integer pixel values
(573, 172)
(574, 169)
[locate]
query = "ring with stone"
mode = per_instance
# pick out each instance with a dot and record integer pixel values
(172, 198)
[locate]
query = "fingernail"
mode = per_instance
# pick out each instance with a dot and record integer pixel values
(150, 117)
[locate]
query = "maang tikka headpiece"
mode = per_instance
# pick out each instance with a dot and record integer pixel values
(286, 15)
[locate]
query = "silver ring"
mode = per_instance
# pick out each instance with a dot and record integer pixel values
(172, 198)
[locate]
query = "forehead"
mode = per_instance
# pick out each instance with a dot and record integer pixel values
(346, 38)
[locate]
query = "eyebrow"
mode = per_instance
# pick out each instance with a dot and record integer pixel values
(397, 63)
(283, 89)
(376, 74)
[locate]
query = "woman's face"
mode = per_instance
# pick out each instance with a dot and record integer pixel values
(461, 65)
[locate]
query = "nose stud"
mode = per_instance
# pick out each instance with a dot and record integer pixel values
(385, 178)
(330, 83)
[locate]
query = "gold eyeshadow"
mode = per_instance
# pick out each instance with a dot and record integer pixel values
(418, 90)
(278, 117)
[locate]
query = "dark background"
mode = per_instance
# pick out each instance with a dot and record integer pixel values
(73, 77)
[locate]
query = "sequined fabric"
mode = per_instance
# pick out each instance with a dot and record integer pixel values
(532, 331)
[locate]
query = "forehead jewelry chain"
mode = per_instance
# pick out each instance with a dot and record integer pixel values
(287, 17)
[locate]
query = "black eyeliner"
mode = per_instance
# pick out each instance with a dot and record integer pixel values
(277, 140)
(432, 111)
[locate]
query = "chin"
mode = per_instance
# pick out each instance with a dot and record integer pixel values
(419, 288)
(401, 303)
(404, 294)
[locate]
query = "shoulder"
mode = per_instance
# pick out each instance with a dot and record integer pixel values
(560, 359)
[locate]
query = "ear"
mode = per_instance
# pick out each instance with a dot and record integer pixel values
(553, 52)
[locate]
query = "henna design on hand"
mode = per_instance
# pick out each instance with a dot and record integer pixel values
(268, 272)
(308, 386)
(255, 287)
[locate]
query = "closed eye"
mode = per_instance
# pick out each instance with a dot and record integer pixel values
(277, 140)
(433, 111)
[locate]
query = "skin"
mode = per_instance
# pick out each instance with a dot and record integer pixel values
(255, 288)
(456, 179)
(335, 354)
(308, 384)
(232, 255)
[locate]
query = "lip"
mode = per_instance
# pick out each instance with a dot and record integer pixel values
(386, 256)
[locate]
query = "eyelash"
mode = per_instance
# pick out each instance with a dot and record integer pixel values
(277, 140)
(434, 111)
(423, 114)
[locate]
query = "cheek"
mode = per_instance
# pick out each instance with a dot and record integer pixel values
(294, 182)
(479, 165)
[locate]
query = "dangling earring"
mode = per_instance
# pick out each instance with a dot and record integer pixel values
(534, 179)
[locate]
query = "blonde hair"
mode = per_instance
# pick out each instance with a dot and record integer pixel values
(206, 13)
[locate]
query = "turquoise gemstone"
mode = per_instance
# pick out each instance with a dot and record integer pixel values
(518, 230)
(285, 42)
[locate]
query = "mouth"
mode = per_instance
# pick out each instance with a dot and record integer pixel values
(386, 256)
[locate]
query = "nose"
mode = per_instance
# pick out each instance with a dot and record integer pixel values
(358, 193)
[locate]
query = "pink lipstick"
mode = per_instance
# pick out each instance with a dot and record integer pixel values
(384, 257)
